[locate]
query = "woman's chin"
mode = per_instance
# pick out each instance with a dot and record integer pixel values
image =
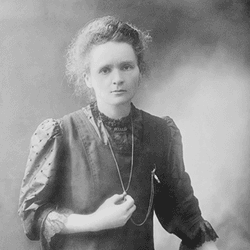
(117, 100)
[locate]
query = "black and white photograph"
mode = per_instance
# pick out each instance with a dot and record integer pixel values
(125, 124)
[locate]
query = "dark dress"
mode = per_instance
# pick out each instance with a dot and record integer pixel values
(71, 169)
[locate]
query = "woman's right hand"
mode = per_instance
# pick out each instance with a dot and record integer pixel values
(114, 212)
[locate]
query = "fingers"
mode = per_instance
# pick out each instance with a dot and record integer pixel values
(132, 209)
(131, 204)
(116, 198)
(117, 209)
(128, 202)
(122, 199)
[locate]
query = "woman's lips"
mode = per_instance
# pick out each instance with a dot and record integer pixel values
(118, 91)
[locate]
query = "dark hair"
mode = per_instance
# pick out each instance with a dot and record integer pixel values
(100, 31)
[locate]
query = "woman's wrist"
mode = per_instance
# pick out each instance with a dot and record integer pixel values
(79, 223)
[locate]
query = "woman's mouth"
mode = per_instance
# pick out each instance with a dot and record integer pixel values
(118, 91)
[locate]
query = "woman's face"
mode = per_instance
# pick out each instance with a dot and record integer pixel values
(113, 73)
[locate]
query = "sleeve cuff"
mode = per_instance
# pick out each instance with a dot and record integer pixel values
(53, 224)
(202, 234)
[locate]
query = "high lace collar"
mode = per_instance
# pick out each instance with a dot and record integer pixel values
(110, 122)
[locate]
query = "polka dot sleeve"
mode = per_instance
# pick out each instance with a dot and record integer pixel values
(40, 178)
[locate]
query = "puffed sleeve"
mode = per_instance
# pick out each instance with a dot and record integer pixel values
(176, 206)
(37, 195)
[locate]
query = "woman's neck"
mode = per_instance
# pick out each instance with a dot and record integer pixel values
(114, 111)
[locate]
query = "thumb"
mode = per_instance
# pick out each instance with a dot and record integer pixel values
(117, 198)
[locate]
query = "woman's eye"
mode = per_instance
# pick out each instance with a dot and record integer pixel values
(105, 71)
(127, 67)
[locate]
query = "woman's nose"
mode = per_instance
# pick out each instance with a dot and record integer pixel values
(117, 77)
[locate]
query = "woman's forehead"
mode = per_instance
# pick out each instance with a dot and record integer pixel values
(112, 52)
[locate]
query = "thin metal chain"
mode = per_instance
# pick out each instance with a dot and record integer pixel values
(150, 201)
(131, 174)
(116, 163)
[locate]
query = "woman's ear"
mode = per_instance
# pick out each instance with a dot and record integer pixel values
(87, 80)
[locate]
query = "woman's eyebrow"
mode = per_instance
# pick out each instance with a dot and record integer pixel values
(110, 65)
(127, 62)
(105, 66)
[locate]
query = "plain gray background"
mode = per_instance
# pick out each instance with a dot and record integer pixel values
(199, 61)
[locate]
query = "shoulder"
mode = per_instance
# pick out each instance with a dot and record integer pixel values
(49, 128)
(165, 122)
(53, 128)
(46, 140)
(74, 116)
(163, 128)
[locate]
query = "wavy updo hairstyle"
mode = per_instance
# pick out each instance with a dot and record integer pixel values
(97, 32)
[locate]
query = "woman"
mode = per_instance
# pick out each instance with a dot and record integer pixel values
(95, 177)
